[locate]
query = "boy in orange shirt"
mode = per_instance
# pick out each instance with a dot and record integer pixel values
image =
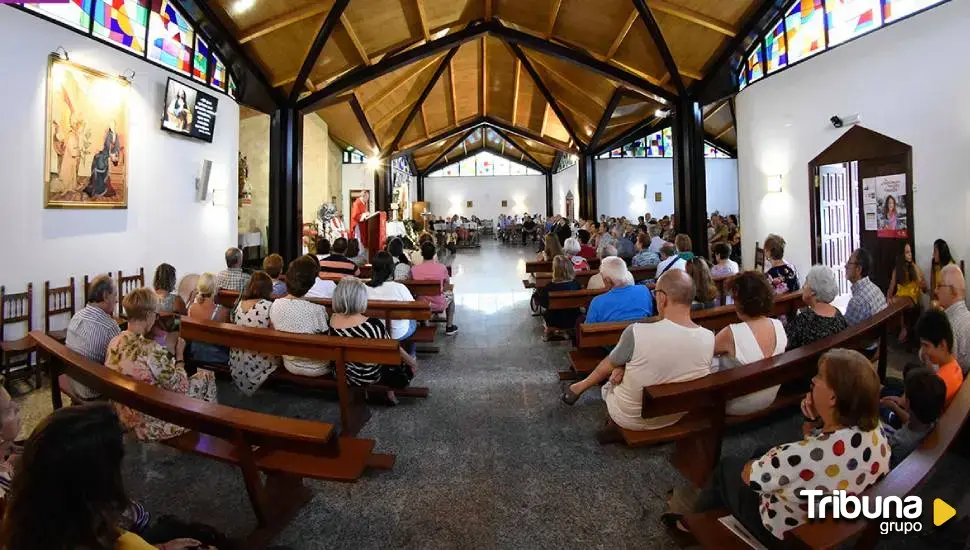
(936, 343)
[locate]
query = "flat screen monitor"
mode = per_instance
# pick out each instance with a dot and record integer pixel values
(189, 112)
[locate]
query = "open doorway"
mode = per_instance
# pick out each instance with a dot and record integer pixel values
(861, 196)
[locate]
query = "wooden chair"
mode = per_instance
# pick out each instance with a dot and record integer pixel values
(284, 450)
(16, 309)
(58, 301)
(126, 284)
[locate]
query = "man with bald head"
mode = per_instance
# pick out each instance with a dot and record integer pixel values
(952, 296)
(624, 301)
(673, 349)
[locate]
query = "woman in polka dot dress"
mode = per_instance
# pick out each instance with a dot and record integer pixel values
(843, 449)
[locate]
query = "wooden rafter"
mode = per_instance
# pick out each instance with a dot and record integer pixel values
(537, 80)
(633, 70)
(658, 40)
(692, 16)
(345, 21)
(515, 92)
(451, 87)
(452, 160)
(444, 154)
(483, 98)
(424, 95)
(545, 120)
(377, 100)
(319, 41)
(720, 134)
(648, 126)
(762, 9)
(607, 115)
(423, 18)
(440, 136)
(570, 82)
(622, 34)
(529, 134)
(365, 125)
(553, 17)
(282, 21)
(506, 138)
(488, 9)
(424, 121)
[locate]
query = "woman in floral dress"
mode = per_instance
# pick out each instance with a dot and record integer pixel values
(250, 369)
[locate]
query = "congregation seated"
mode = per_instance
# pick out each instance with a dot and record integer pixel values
(348, 320)
(431, 270)
(529, 229)
(92, 328)
(563, 278)
(757, 336)
(907, 283)
(382, 287)
(205, 308)
(718, 232)
(322, 288)
(780, 273)
(402, 264)
(292, 313)
(705, 294)
(585, 250)
(951, 295)
(134, 354)
(819, 319)
(624, 301)
(656, 241)
(164, 284)
(941, 258)
(323, 248)
(843, 448)
(249, 369)
(936, 346)
(273, 266)
(867, 299)
(912, 415)
(723, 266)
(670, 260)
(625, 247)
(337, 263)
(645, 257)
(596, 281)
(415, 255)
(355, 252)
(605, 239)
(561, 228)
(571, 249)
(233, 278)
(550, 250)
(673, 349)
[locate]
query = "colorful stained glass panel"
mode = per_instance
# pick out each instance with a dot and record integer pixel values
(73, 13)
(742, 78)
(806, 29)
(233, 91)
(170, 37)
(501, 166)
(121, 22)
(484, 165)
(894, 9)
(467, 167)
(847, 19)
(756, 64)
(777, 54)
(218, 73)
(200, 62)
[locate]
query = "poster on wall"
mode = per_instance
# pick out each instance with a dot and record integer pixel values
(86, 149)
(870, 205)
(189, 112)
(891, 206)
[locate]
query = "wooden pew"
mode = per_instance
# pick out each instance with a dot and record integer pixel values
(546, 267)
(591, 338)
(286, 450)
(392, 310)
(698, 435)
(568, 299)
(723, 285)
(639, 274)
(353, 412)
(902, 481)
(227, 298)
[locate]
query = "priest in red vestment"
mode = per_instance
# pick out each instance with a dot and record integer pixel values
(357, 211)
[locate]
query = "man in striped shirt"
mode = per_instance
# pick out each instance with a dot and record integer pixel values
(233, 277)
(337, 263)
(92, 329)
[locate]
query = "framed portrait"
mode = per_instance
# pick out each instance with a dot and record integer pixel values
(658, 196)
(468, 204)
(86, 148)
(505, 204)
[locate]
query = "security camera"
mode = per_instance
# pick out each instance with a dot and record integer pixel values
(836, 121)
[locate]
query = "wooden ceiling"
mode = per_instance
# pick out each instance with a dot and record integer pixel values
(551, 75)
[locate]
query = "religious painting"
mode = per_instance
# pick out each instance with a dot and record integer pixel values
(505, 204)
(86, 149)
(468, 204)
(658, 196)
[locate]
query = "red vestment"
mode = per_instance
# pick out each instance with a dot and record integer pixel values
(357, 211)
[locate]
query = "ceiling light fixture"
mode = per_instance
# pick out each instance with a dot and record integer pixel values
(661, 113)
(242, 6)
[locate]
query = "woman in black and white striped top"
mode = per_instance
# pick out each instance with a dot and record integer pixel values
(348, 320)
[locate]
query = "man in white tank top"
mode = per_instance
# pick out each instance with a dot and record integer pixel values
(673, 349)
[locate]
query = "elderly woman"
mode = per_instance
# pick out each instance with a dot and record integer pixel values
(206, 309)
(820, 319)
(571, 249)
(563, 278)
(249, 369)
(781, 274)
(756, 337)
(843, 448)
(644, 256)
(292, 313)
(133, 354)
(349, 321)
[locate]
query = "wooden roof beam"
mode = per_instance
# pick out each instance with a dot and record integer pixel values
(506, 138)
(658, 39)
(442, 135)
(571, 83)
(553, 17)
(483, 98)
(728, 50)
(282, 21)
(621, 36)
(424, 95)
(424, 121)
(607, 115)
(316, 48)
(692, 16)
(423, 19)
(353, 38)
(547, 94)
(451, 86)
(529, 134)
(720, 134)
(365, 126)
(488, 9)
(444, 154)
(376, 101)
(515, 92)
(496, 152)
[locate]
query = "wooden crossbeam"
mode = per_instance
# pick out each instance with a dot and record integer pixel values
(353, 38)
(506, 138)
(488, 9)
(365, 125)
(537, 80)
(451, 86)
(423, 18)
(442, 135)
(553, 17)
(607, 115)
(762, 9)
(545, 120)
(424, 95)
(515, 93)
(319, 41)
(723, 132)
(658, 39)
(483, 99)
(692, 16)
(376, 101)
(424, 120)
(529, 134)
(444, 154)
(570, 82)
(283, 21)
(621, 36)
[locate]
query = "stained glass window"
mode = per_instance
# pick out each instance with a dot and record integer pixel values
(466, 167)
(73, 13)
(501, 166)
(170, 37)
(777, 54)
(894, 9)
(742, 78)
(450, 171)
(121, 22)
(712, 152)
(756, 64)
(232, 87)
(200, 62)
(849, 18)
(616, 153)
(218, 73)
(806, 29)
(484, 165)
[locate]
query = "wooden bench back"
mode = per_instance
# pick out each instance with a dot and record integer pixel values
(227, 298)
(231, 424)
(386, 309)
(126, 284)
(583, 277)
(568, 299)
(546, 267)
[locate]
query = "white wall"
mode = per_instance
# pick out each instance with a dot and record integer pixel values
(163, 222)
(562, 184)
(619, 186)
(905, 83)
(523, 193)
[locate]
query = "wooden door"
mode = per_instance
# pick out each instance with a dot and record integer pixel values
(836, 221)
